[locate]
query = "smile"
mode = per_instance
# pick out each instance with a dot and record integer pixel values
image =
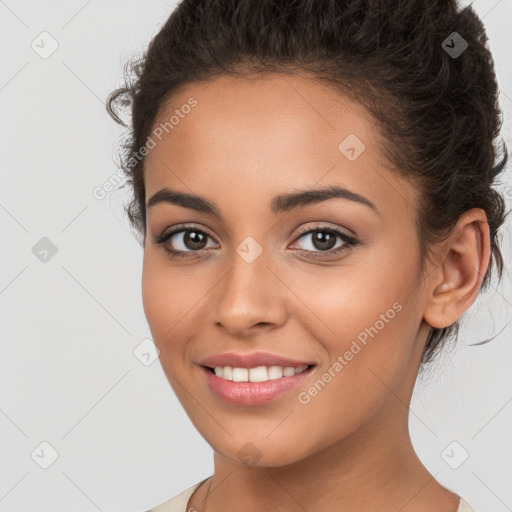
(254, 386)
(257, 374)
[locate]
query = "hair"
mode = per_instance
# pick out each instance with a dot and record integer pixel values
(438, 114)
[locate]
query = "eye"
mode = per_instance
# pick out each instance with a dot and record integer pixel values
(323, 239)
(183, 241)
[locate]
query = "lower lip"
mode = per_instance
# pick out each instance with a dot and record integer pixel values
(253, 393)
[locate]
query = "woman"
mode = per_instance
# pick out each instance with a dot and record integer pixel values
(312, 186)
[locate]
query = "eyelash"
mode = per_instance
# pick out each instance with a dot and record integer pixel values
(349, 240)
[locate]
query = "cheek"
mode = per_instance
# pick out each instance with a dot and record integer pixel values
(353, 297)
(369, 323)
(174, 300)
(166, 300)
(366, 311)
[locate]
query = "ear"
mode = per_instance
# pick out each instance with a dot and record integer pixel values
(461, 263)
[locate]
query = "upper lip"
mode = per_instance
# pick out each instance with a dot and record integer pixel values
(238, 360)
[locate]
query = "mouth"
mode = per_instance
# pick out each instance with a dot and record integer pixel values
(254, 386)
(258, 373)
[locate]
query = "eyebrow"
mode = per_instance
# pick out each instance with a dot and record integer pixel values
(280, 203)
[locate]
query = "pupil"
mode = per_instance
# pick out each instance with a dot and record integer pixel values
(323, 240)
(194, 239)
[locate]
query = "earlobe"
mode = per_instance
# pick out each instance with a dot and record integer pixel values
(462, 263)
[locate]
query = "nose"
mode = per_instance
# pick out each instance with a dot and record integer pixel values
(249, 297)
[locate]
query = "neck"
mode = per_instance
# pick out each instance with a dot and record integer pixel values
(374, 469)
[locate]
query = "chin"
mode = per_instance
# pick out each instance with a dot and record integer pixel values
(258, 451)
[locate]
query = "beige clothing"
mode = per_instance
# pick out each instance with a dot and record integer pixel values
(179, 502)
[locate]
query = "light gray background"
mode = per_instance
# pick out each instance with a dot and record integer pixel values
(68, 373)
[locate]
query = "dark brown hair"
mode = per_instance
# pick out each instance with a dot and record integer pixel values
(438, 111)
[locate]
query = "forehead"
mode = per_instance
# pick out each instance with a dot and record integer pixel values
(265, 132)
(264, 105)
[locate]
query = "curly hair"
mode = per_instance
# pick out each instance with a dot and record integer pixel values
(438, 112)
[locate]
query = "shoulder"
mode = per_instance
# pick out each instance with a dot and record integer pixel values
(179, 502)
(464, 506)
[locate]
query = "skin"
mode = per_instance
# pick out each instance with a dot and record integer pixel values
(349, 448)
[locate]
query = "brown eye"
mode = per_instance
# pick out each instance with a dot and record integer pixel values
(194, 240)
(324, 240)
(184, 241)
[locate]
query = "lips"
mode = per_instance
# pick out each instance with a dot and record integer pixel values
(252, 360)
(253, 393)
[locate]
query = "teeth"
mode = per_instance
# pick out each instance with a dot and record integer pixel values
(258, 374)
(240, 374)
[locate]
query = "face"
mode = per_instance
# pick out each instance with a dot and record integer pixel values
(333, 282)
